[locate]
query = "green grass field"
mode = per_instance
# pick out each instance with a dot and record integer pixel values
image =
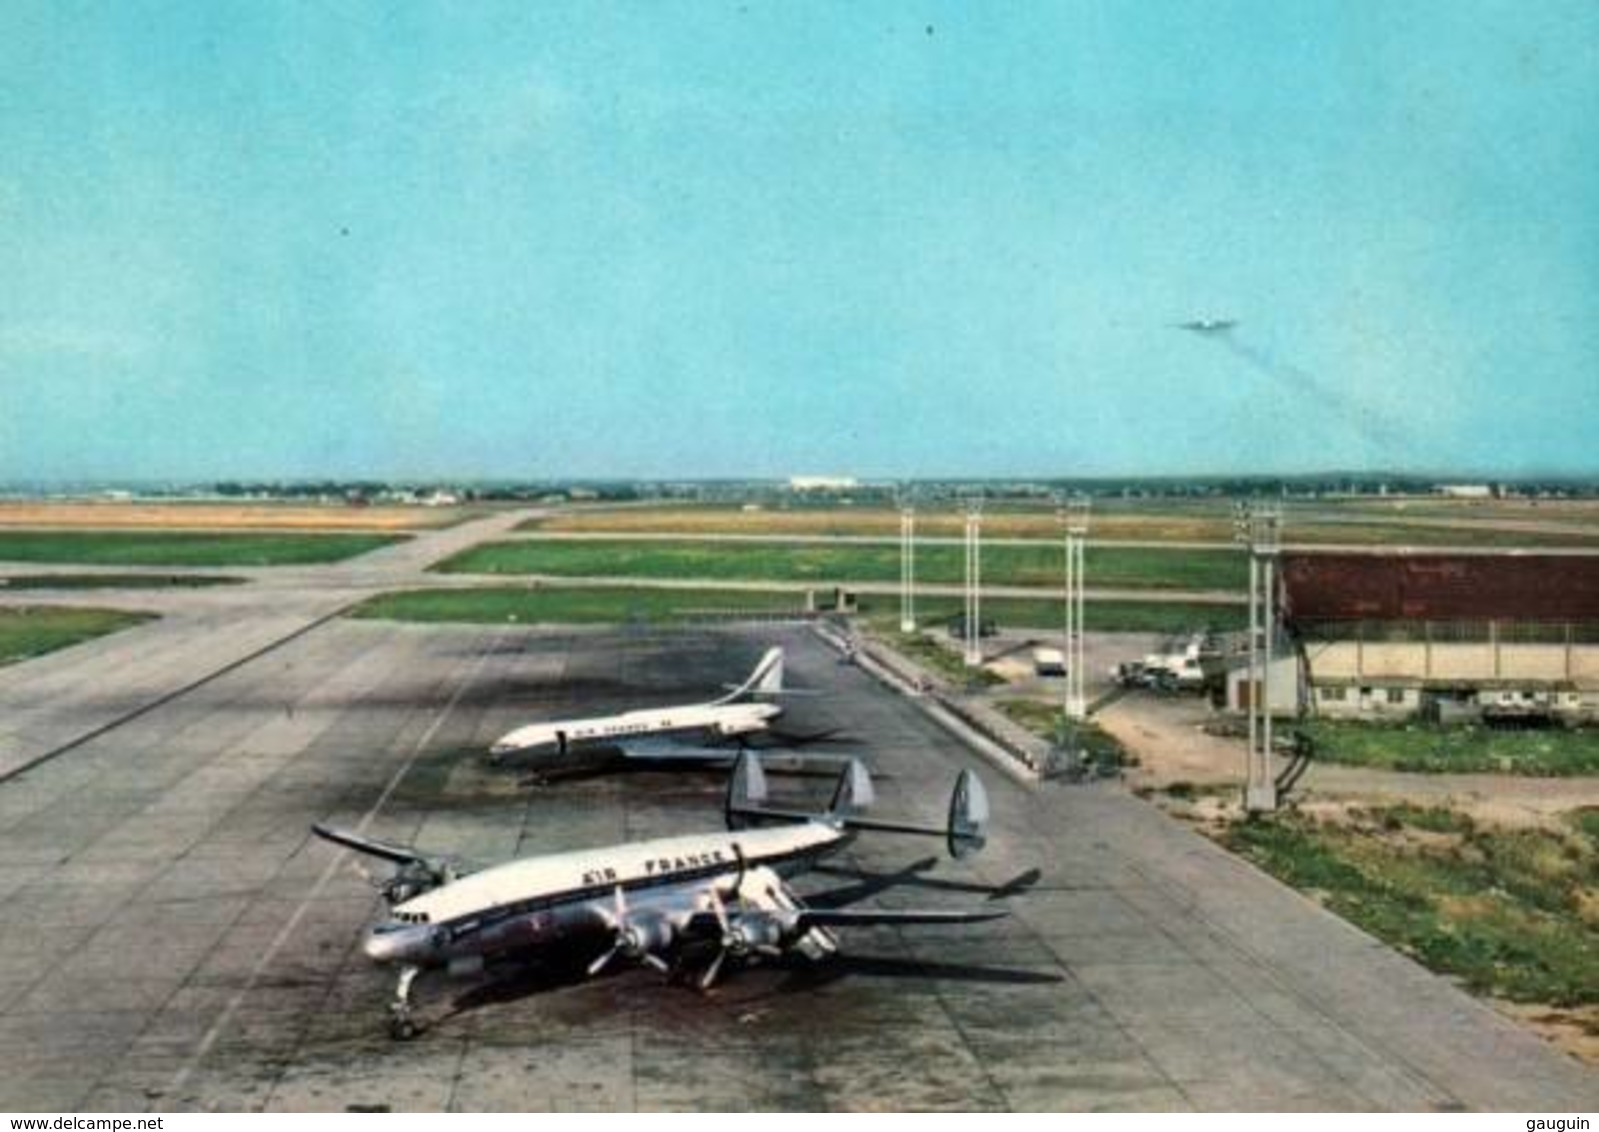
(926, 651)
(844, 564)
(1511, 913)
(114, 581)
(568, 605)
(33, 630)
(1164, 520)
(185, 548)
(1429, 748)
(602, 604)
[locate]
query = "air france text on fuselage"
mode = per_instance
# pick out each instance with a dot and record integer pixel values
(661, 866)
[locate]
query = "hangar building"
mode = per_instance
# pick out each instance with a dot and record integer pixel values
(1445, 636)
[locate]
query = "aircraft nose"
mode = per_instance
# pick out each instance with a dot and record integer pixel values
(388, 943)
(505, 744)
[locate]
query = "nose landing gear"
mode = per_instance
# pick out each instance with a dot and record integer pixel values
(402, 1023)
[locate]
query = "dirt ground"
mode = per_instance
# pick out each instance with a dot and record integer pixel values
(1166, 735)
(225, 516)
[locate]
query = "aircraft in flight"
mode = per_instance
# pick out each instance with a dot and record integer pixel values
(658, 737)
(1208, 325)
(650, 902)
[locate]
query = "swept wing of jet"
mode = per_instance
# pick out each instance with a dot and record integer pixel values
(650, 902)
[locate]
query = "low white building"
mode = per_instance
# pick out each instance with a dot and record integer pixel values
(822, 483)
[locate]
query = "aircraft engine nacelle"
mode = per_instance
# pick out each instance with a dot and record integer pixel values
(646, 933)
(756, 932)
(412, 880)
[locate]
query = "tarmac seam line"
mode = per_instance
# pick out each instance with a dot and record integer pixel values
(167, 697)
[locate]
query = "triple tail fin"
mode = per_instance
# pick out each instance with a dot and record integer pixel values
(965, 833)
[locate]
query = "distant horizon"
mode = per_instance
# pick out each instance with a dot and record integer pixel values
(1329, 478)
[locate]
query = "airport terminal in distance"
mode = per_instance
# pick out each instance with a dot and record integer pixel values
(821, 926)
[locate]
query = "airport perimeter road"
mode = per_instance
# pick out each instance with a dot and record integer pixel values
(175, 939)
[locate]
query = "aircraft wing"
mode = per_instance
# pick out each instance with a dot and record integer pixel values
(769, 892)
(664, 751)
(663, 748)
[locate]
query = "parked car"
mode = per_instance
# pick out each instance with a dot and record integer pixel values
(1049, 662)
(985, 626)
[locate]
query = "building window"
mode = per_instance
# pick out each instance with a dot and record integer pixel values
(1332, 695)
(1396, 695)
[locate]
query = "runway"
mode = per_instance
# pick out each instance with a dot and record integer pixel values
(174, 938)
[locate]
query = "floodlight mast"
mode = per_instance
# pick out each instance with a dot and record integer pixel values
(1075, 517)
(974, 580)
(907, 564)
(1260, 529)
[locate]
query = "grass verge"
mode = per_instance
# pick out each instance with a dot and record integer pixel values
(925, 650)
(33, 630)
(569, 605)
(1427, 748)
(1509, 912)
(115, 581)
(1048, 721)
(185, 548)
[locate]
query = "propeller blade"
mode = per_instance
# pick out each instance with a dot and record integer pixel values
(743, 866)
(603, 961)
(657, 962)
(719, 909)
(709, 978)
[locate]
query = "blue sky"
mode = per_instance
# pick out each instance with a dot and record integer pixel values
(588, 239)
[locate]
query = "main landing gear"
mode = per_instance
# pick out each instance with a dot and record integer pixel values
(402, 1023)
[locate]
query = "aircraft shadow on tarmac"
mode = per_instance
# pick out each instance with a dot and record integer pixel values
(794, 976)
(868, 884)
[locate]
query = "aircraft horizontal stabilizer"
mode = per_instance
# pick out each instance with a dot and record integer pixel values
(965, 833)
(414, 873)
(384, 850)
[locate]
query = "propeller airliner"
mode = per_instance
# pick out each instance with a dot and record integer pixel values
(648, 902)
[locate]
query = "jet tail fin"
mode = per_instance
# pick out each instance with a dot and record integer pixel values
(766, 680)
